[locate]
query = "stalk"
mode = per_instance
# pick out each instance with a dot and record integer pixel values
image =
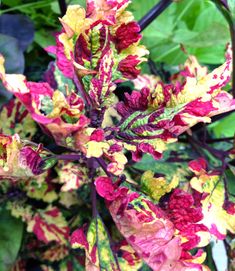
(153, 13)
(63, 7)
(226, 13)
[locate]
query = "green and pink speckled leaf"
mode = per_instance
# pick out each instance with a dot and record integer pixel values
(99, 255)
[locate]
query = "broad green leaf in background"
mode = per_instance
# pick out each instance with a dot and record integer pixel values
(11, 232)
(197, 25)
(231, 5)
(230, 174)
(11, 3)
(223, 127)
(43, 39)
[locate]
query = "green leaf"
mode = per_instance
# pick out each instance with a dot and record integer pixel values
(77, 2)
(208, 56)
(43, 39)
(209, 258)
(47, 105)
(63, 81)
(197, 25)
(48, 163)
(231, 5)
(97, 236)
(11, 232)
(230, 174)
(11, 3)
(224, 127)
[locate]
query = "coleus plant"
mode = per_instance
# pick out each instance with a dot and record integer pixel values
(65, 148)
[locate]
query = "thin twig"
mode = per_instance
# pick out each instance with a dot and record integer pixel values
(154, 13)
(195, 147)
(91, 165)
(103, 165)
(216, 153)
(71, 157)
(94, 200)
(227, 15)
(209, 140)
(226, 192)
(63, 7)
(232, 32)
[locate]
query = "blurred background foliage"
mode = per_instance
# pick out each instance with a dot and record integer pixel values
(187, 27)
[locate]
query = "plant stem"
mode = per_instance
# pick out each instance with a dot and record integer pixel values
(71, 157)
(154, 13)
(93, 200)
(65, 157)
(213, 140)
(91, 165)
(195, 147)
(81, 89)
(63, 7)
(210, 140)
(216, 153)
(104, 166)
(232, 32)
(226, 13)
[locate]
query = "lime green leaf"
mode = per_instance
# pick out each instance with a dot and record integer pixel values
(224, 127)
(231, 5)
(62, 81)
(43, 39)
(99, 255)
(97, 236)
(230, 174)
(11, 3)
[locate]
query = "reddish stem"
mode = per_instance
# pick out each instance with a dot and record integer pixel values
(93, 200)
(103, 165)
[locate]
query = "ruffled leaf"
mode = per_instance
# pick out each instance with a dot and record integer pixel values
(218, 215)
(17, 159)
(15, 119)
(147, 229)
(49, 225)
(72, 176)
(157, 187)
(61, 116)
(152, 118)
